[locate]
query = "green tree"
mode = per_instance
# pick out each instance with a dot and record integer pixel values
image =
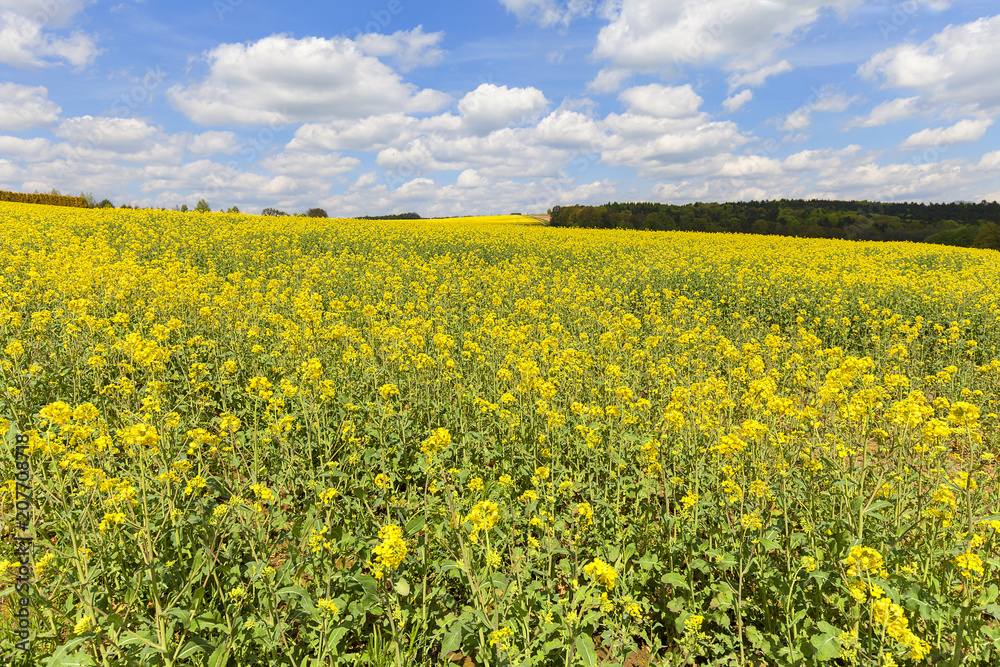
(988, 236)
(202, 206)
(964, 236)
(317, 213)
(184, 208)
(89, 196)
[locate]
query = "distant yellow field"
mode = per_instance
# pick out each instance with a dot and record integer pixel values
(300, 441)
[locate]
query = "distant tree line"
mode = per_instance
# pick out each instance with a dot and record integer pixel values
(965, 224)
(394, 216)
(86, 200)
(53, 199)
(311, 213)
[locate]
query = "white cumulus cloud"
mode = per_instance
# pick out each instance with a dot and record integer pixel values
(755, 78)
(549, 12)
(280, 80)
(653, 35)
(662, 101)
(737, 101)
(490, 107)
(114, 134)
(824, 100)
(889, 112)
(955, 67)
(22, 107)
(407, 48)
(961, 132)
(25, 42)
(212, 142)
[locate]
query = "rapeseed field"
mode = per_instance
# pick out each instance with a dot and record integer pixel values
(298, 441)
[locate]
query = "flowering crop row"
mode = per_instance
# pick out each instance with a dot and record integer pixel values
(334, 441)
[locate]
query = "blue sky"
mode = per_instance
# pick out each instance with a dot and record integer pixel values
(495, 106)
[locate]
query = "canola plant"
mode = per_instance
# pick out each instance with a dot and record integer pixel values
(484, 441)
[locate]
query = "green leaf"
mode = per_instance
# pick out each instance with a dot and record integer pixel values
(480, 616)
(303, 595)
(198, 593)
(769, 544)
(613, 553)
(336, 635)
(827, 646)
(220, 653)
(992, 609)
(880, 505)
(196, 571)
(183, 615)
(828, 629)
(136, 638)
(449, 565)
(723, 600)
(195, 645)
(721, 618)
(585, 647)
(402, 587)
(63, 658)
(369, 584)
(414, 525)
(76, 660)
(913, 601)
(208, 621)
(674, 579)
(452, 639)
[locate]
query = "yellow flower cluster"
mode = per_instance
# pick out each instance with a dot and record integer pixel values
(263, 493)
(435, 442)
(970, 564)
(391, 552)
(327, 606)
(501, 638)
(111, 519)
(194, 484)
(751, 521)
(483, 517)
(862, 560)
(601, 573)
(726, 382)
(84, 625)
(892, 617)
